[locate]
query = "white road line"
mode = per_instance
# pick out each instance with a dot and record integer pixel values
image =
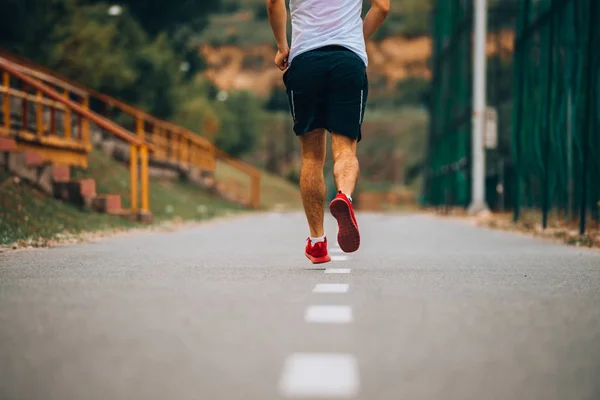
(336, 250)
(328, 315)
(337, 270)
(331, 288)
(339, 258)
(325, 375)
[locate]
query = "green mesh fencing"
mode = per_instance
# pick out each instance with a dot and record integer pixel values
(555, 122)
(544, 88)
(447, 180)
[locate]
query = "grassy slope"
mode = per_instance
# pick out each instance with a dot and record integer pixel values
(274, 190)
(168, 199)
(29, 217)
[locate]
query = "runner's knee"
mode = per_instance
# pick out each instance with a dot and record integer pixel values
(342, 147)
(313, 147)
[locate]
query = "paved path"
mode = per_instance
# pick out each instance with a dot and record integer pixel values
(428, 309)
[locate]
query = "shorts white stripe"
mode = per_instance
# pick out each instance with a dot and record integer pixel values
(362, 93)
(294, 106)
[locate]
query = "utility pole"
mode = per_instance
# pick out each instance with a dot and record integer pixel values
(478, 203)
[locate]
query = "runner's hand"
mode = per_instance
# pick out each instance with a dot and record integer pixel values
(281, 59)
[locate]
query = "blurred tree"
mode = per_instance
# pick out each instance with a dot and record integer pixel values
(278, 101)
(411, 91)
(158, 16)
(142, 55)
(25, 24)
(416, 19)
(95, 49)
(195, 110)
(240, 125)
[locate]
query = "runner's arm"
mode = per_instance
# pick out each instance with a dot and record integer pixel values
(278, 20)
(375, 17)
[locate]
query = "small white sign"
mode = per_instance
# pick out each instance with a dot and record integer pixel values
(491, 128)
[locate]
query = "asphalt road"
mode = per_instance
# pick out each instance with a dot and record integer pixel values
(427, 309)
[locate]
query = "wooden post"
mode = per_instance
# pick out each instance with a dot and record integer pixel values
(67, 120)
(6, 103)
(145, 194)
(85, 128)
(133, 177)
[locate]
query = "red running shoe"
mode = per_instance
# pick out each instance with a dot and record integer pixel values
(348, 234)
(317, 253)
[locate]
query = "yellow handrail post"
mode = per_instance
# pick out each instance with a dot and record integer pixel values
(6, 102)
(139, 127)
(171, 146)
(177, 147)
(145, 194)
(192, 154)
(39, 109)
(85, 122)
(255, 191)
(67, 120)
(153, 134)
(160, 143)
(133, 176)
(183, 151)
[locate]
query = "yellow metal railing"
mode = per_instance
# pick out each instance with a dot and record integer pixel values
(171, 143)
(41, 132)
(65, 146)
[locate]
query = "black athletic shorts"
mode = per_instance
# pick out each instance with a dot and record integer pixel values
(327, 88)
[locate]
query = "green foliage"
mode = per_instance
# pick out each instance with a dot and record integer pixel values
(194, 107)
(411, 91)
(160, 78)
(240, 126)
(416, 14)
(24, 24)
(94, 49)
(158, 16)
(144, 55)
(278, 101)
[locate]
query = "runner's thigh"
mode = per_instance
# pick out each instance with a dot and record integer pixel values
(347, 93)
(304, 82)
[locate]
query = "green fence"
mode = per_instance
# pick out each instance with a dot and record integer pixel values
(544, 88)
(556, 114)
(447, 180)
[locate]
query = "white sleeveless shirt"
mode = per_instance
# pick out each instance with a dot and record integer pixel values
(319, 23)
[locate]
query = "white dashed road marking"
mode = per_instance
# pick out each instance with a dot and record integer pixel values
(328, 314)
(330, 288)
(320, 375)
(337, 271)
(323, 375)
(339, 258)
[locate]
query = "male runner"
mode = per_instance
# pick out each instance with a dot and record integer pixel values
(327, 86)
